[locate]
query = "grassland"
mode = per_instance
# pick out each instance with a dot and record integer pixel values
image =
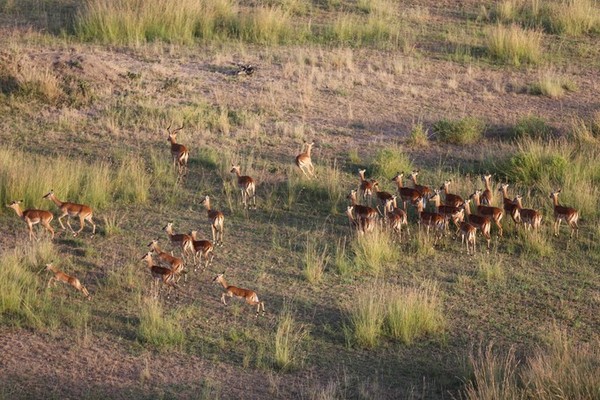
(86, 92)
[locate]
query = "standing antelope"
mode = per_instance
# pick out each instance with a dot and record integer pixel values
(159, 274)
(509, 207)
(364, 212)
(451, 199)
(468, 234)
(487, 197)
(304, 162)
(383, 197)
(406, 194)
(430, 220)
(396, 217)
(72, 210)
(448, 212)
(484, 224)
(529, 217)
(216, 219)
(32, 217)
(569, 215)
(494, 213)
(179, 239)
(361, 223)
(60, 276)
(204, 248)
(366, 187)
(175, 263)
(249, 295)
(425, 191)
(246, 185)
(179, 152)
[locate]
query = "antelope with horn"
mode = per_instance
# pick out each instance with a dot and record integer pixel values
(448, 212)
(60, 276)
(202, 248)
(179, 152)
(32, 217)
(562, 213)
(487, 197)
(396, 217)
(247, 186)
(425, 191)
(159, 274)
(383, 197)
(484, 224)
(73, 210)
(217, 220)
(304, 161)
(249, 295)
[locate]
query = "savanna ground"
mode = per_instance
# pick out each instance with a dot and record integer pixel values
(380, 85)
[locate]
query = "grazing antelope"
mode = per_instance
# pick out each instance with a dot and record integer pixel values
(32, 217)
(487, 197)
(249, 295)
(406, 194)
(363, 225)
(217, 220)
(430, 220)
(364, 212)
(425, 191)
(383, 197)
(179, 239)
(73, 210)
(366, 187)
(484, 224)
(175, 263)
(448, 212)
(396, 217)
(203, 248)
(179, 152)
(569, 215)
(304, 162)
(451, 199)
(60, 276)
(246, 185)
(494, 213)
(159, 274)
(509, 207)
(529, 217)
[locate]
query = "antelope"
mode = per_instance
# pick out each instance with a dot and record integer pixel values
(468, 234)
(529, 217)
(382, 196)
(448, 212)
(425, 191)
(179, 152)
(179, 239)
(249, 295)
(451, 199)
(175, 263)
(159, 274)
(509, 207)
(494, 213)
(73, 210)
(487, 197)
(484, 224)
(217, 220)
(396, 217)
(32, 217)
(430, 220)
(406, 194)
(60, 276)
(366, 187)
(204, 248)
(364, 212)
(569, 215)
(363, 225)
(246, 185)
(304, 162)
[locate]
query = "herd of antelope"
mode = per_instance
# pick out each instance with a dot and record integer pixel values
(447, 208)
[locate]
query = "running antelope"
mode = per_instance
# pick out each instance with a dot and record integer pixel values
(216, 219)
(494, 213)
(32, 217)
(484, 224)
(360, 223)
(203, 248)
(529, 217)
(451, 199)
(60, 276)
(179, 152)
(425, 191)
(73, 210)
(249, 295)
(569, 215)
(509, 207)
(175, 263)
(159, 274)
(246, 185)
(366, 187)
(179, 239)
(383, 197)
(408, 195)
(364, 212)
(430, 220)
(487, 197)
(304, 162)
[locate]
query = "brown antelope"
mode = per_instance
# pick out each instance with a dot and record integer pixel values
(249, 295)
(484, 224)
(216, 219)
(451, 199)
(360, 223)
(60, 276)
(425, 191)
(175, 263)
(430, 220)
(202, 248)
(569, 215)
(529, 217)
(366, 187)
(494, 213)
(179, 152)
(72, 210)
(448, 212)
(382, 196)
(179, 239)
(408, 195)
(159, 274)
(396, 217)
(246, 185)
(468, 234)
(509, 207)
(32, 217)
(365, 212)
(304, 162)
(487, 197)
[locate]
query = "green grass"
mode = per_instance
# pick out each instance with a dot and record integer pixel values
(316, 259)
(290, 337)
(491, 270)
(375, 251)
(419, 136)
(467, 130)
(157, 328)
(389, 161)
(553, 85)
(514, 45)
(532, 127)
(367, 316)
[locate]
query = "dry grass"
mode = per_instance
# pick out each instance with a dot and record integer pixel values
(289, 339)
(157, 329)
(375, 251)
(367, 316)
(514, 45)
(552, 84)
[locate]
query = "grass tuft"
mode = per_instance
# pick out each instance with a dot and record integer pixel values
(389, 161)
(552, 85)
(468, 130)
(157, 329)
(514, 45)
(419, 135)
(532, 127)
(289, 338)
(367, 317)
(316, 258)
(375, 251)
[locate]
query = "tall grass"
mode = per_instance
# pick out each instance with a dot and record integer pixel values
(367, 316)
(289, 338)
(389, 161)
(491, 271)
(514, 45)
(157, 329)
(376, 29)
(467, 130)
(375, 251)
(316, 258)
(552, 85)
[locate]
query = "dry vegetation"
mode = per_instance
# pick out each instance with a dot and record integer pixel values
(87, 90)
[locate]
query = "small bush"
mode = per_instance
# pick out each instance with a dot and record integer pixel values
(157, 329)
(535, 164)
(514, 45)
(572, 17)
(419, 136)
(463, 131)
(289, 339)
(532, 127)
(389, 161)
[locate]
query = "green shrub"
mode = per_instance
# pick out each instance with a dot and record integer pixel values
(532, 127)
(419, 135)
(463, 131)
(389, 161)
(530, 167)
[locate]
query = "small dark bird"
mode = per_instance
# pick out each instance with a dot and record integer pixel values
(246, 69)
